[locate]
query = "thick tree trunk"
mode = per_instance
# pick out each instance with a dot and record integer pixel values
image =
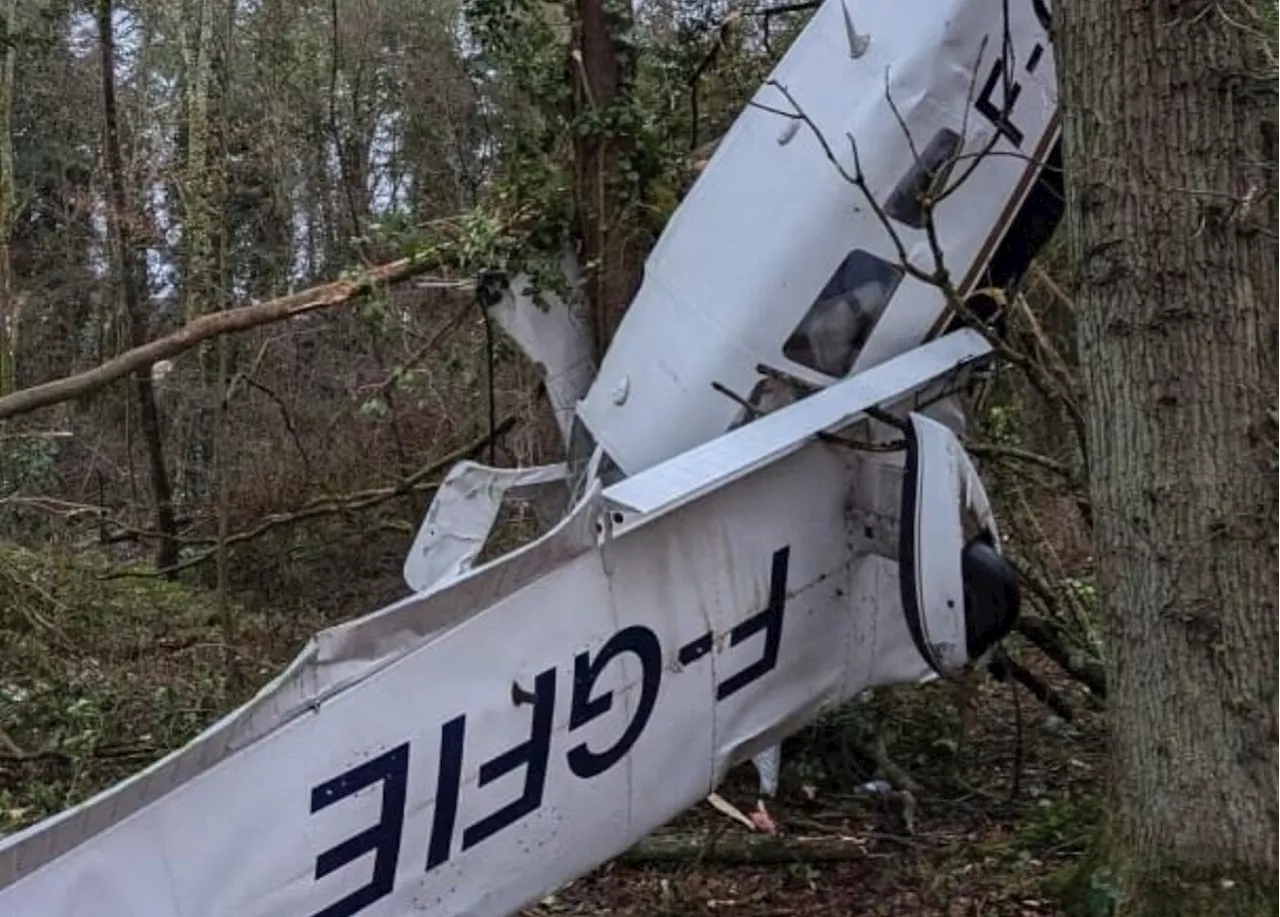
(133, 283)
(1171, 163)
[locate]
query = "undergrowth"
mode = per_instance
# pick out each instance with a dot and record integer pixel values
(100, 676)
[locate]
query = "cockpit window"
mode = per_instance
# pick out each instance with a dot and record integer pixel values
(927, 175)
(837, 325)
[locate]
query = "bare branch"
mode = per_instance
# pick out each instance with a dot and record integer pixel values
(798, 114)
(327, 506)
(1080, 666)
(429, 345)
(228, 321)
(1025, 456)
(744, 849)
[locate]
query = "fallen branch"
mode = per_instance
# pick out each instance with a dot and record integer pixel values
(228, 321)
(11, 750)
(743, 849)
(327, 506)
(1062, 606)
(37, 620)
(997, 451)
(1025, 456)
(900, 779)
(12, 753)
(1039, 689)
(383, 388)
(1045, 637)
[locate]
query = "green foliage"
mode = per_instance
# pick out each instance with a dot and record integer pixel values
(1085, 589)
(27, 463)
(526, 75)
(521, 71)
(1106, 881)
(1062, 825)
(1002, 423)
(100, 675)
(374, 408)
(28, 467)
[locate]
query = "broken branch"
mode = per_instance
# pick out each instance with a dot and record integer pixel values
(743, 849)
(1045, 637)
(228, 321)
(326, 506)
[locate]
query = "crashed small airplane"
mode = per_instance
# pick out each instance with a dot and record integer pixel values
(764, 510)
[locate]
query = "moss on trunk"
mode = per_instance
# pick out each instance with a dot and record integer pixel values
(1109, 882)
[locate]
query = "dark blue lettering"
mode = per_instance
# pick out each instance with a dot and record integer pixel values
(392, 770)
(644, 644)
(1033, 61)
(695, 649)
(532, 753)
(1042, 14)
(1000, 117)
(770, 621)
(448, 780)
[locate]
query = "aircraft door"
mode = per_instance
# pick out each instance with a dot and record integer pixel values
(959, 593)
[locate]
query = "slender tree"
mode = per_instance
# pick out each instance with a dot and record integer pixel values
(603, 74)
(133, 284)
(8, 307)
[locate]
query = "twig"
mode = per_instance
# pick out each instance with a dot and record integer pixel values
(1015, 785)
(228, 321)
(1025, 456)
(797, 114)
(752, 411)
(285, 417)
(11, 750)
(1044, 636)
(744, 849)
(325, 506)
(892, 772)
(1082, 619)
(722, 32)
(429, 345)
(39, 434)
(13, 753)
(1040, 689)
(38, 620)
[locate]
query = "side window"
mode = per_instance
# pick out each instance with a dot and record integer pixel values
(837, 325)
(927, 175)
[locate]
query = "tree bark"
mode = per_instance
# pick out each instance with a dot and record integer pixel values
(133, 285)
(1170, 153)
(602, 69)
(138, 360)
(198, 206)
(8, 305)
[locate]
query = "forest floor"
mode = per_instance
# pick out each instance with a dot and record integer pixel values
(1001, 819)
(102, 676)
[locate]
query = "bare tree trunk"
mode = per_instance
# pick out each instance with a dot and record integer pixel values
(133, 283)
(611, 255)
(1170, 151)
(198, 208)
(8, 306)
(277, 222)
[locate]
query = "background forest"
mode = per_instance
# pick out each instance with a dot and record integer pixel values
(170, 537)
